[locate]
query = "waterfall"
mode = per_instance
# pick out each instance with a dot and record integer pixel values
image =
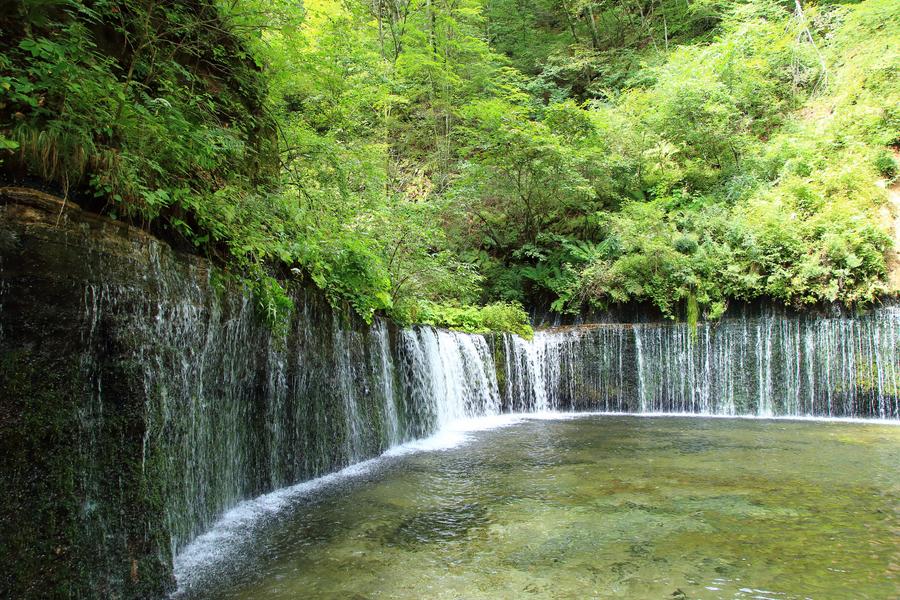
(158, 400)
(768, 364)
(359, 390)
(526, 384)
(233, 412)
(385, 363)
(447, 376)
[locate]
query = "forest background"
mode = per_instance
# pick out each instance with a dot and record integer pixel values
(461, 162)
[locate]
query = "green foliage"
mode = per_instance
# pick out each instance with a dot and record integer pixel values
(273, 305)
(693, 314)
(763, 249)
(173, 115)
(713, 172)
(350, 272)
(178, 130)
(498, 316)
(418, 159)
(886, 165)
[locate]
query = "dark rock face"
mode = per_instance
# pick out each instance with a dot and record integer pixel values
(77, 515)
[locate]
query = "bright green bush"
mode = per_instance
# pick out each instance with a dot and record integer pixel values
(499, 316)
(886, 165)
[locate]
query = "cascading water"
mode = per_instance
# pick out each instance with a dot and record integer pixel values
(446, 376)
(385, 364)
(234, 411)
(768, 364)
(174, 367)
(336, 393)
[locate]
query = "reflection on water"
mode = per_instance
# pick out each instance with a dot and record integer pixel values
(595, 507)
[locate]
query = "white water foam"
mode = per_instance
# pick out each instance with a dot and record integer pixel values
(666, 415)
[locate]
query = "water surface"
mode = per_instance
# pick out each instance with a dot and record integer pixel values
(591, 507)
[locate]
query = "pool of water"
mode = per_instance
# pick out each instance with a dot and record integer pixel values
(591, 507)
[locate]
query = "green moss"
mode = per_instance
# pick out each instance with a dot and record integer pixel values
(72, 463)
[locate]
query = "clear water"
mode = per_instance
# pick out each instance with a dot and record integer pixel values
(592, 507)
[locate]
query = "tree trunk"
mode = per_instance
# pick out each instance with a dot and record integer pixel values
(569, 20)
(595, 42)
